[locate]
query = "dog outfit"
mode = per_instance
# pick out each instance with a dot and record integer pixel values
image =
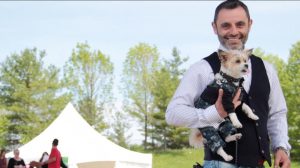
(214, 138)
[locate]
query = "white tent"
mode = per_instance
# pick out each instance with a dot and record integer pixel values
(82, 145)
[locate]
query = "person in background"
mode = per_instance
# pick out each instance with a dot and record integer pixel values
(45, 157)
(16, 161)
(3, 162)
(54, 158)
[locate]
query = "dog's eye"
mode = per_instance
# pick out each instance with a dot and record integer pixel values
(238, 61)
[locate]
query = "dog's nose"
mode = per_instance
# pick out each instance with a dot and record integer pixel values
(246, 65)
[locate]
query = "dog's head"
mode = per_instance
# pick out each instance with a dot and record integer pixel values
(234, 62)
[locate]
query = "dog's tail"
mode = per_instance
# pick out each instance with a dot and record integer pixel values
(196, 138)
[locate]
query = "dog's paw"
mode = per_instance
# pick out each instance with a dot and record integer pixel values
(253, 116)
(235, 121)
(233, 137)
(224, 155)
(238, 136)
(228, 158)
(237, 124)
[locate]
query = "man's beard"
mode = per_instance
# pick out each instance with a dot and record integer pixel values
(240, 45)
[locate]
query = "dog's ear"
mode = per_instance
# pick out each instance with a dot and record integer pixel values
(223, 55)
(249, 51)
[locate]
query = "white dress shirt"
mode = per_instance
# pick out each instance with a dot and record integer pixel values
(181, 110)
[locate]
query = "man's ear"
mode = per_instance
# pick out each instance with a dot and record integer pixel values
(214, 26)
(250, 24)
(223, 55)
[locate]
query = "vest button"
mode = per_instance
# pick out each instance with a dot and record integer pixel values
(262, 151)
(250, 97)
(256, 124)
(259, 138)
(253, 110)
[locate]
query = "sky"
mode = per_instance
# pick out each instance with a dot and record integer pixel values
(113, 27)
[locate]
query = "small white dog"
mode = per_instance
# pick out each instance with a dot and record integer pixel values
(233, 67)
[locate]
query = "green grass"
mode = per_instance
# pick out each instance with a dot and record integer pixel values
(184, 158)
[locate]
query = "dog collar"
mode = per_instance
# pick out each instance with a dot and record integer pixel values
(231, 79)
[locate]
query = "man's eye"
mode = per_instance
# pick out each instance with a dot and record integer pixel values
(240, 24)
(225, 25)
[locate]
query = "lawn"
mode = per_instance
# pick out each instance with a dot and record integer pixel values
(184, 158)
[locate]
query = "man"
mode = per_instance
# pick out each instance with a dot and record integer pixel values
(55, 157)
(262, 92)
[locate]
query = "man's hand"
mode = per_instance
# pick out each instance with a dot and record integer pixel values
(219, 106)
(281, 159)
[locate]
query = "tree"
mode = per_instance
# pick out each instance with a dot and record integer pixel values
(30, 95)
(279, 65)
(293, 101)
(140, 64)
(165, 82)
(4, 128)
(89, 75)
(120, 126)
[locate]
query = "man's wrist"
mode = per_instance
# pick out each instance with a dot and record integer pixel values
(287, 152)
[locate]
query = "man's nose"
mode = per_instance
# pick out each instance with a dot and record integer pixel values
(234, 30)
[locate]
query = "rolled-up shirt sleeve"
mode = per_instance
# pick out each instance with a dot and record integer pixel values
(181, 110)
(277, 122)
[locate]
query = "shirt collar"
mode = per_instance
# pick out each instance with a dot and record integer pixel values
(221, 47)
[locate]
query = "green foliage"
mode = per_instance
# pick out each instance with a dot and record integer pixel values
(30, 95)
(4, 122)
(89, 77)
(120, 126)
(165, 82)
(140, 64)
(137, 148)
(293, 101)
(279, 65)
